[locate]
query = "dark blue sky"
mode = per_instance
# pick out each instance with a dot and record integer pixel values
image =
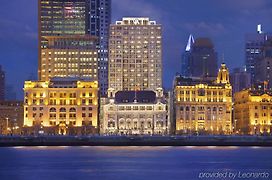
(225, 22)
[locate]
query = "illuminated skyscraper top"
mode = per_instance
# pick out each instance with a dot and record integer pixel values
(185, 69)
(190, 42)
(63, 17)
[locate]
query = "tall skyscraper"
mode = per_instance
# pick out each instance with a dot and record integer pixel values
(263, 64)
(135, 53)
(203, 59)
(61, 18)
(199, 58)
(100, 19)
(2, 84)
(185, 68)
(77, 17)
(240, 79)
(69, 56)
(253, 50)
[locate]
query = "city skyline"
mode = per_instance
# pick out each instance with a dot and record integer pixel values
(227, 29)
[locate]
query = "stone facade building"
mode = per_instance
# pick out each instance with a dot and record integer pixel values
(203, 105)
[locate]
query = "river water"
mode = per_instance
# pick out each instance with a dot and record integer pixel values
(129, 163)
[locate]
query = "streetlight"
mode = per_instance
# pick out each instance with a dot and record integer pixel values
(235, 127)
(7, 124)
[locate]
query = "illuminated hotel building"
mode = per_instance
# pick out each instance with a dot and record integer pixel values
(69, 56)
(135, 112)
(253, 111)
(135, 55)
(61, 106)
(203, 105)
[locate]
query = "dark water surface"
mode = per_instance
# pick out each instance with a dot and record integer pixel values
(160, 163)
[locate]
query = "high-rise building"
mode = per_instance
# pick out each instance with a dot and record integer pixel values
(201, 58)
(2, 84)
(203, 106)
(263, 72)
(253, 111)
(240, 79)
(185, 68)
(69, 56)
(61, 106)
(253, 50)
(77, 17)
(60, 18)
(135, 55)
(100, 19)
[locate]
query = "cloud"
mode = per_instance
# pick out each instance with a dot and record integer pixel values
(214, 29)
(12, 29)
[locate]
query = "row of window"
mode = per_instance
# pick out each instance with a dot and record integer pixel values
(200, 108)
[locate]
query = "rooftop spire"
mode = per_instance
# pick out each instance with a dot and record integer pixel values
(190, 42)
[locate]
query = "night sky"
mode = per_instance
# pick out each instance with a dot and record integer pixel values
(225, 22)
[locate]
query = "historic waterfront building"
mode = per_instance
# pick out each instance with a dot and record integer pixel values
(135, 112)
(253, 111)
(69, 56)
(61, 106)
(135, 55)
(203, 105)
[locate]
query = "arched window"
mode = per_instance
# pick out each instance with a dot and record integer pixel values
(52, 110)
(62, 109)
(72, 110)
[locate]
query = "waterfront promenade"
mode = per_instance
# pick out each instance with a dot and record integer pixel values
(135, 141)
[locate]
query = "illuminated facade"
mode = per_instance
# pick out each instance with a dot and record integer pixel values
(253, 111)
(69, 56)
(61, 105)
(135, 55)
(135, 112)
(61, 18)
(77, 17)
(203, 105)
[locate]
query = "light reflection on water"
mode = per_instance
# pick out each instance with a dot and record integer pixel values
(133, 162)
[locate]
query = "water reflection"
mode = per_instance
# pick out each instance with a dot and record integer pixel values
(161, 163)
